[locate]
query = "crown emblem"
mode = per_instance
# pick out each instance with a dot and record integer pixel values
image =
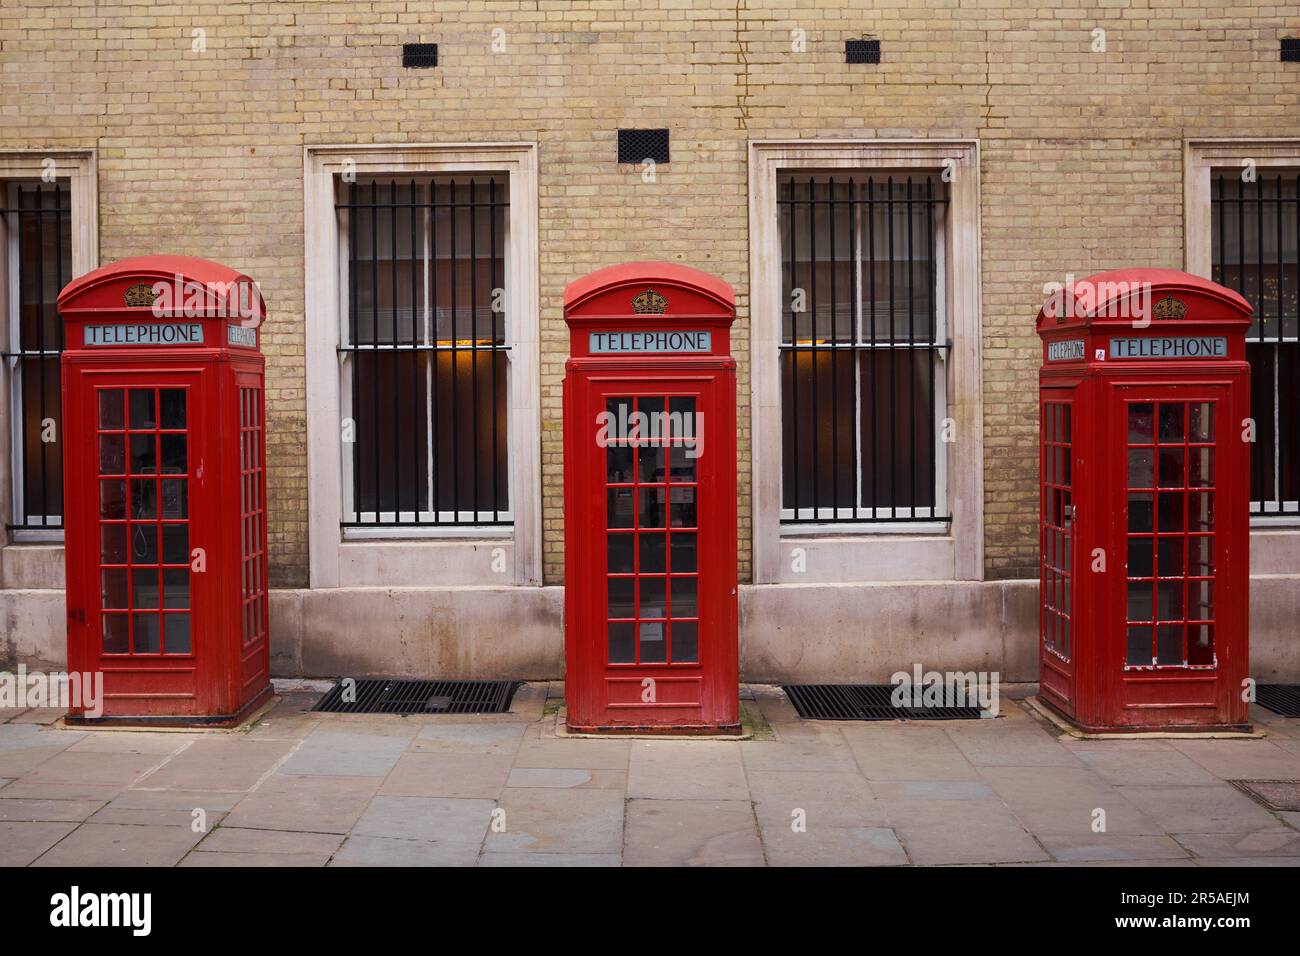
(1170, 308)
(649, 301)
(139, 295)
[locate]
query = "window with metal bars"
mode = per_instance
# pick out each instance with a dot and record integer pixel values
(863, 347)
(424, 355)
(37, 223)
(1255, 237)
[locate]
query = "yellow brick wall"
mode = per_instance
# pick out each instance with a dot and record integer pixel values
(200, 151)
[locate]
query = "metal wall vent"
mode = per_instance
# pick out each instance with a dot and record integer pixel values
(398, 695)
(638, 145)
(419, 56)
(862, 51)
(1291, 49)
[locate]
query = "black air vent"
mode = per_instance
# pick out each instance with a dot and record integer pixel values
(419, 56)
(398, 695)
(862, 51)
(1291, 49)
(638, 145)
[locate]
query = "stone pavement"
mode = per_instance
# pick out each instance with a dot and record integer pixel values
(304, 789)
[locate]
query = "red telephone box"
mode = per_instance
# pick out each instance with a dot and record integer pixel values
(166, 490)
(1144, 399)
(650, 502)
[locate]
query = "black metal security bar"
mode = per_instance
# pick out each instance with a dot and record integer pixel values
(38, 227)
(863, 345)
(1255, 229)
(424, 354)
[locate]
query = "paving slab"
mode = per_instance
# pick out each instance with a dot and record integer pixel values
(431, 819)
(28, 810)
(385, 851)
(240, 860)
(357, 752)
(158, 817)
(15, 763)
(891, 751)
(448, 775)
(1268, 842)
(567, 778)
(1008, 742)
(111, 844)
(286, 842)
(948, 832)
(1243, 759)
(316, 804)
(1111, 847)
(901, 791)
(493, 739)
(1145, 767)
(509, 858)
(95, 769)
(825, 799)
(1065, 800)
(19, 737)
(807, 755)
(23, 788)
(1213, 809)
(558, 821)
(540, 752)
(1287, 861)
(21, 843)
(224, 762)
(686, 770)
(691, 833)
(833, 846)
(129, 742)
(143, 798)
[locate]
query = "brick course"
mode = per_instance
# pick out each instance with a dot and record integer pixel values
(200, 112)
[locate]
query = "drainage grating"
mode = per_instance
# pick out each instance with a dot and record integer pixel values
(864, 702)
(1281, 699)
(397, 695)
(1272, 794)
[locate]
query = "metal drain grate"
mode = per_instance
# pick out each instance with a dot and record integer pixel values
(864, 702)
(1281, 699)
(398, 695)
(1272, 794)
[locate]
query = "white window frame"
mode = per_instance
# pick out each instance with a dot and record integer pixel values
(78, 167)
(886, 551)
(1275, 539)
(420, 556)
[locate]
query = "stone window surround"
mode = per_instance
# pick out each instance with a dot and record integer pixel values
(430, 557)
(895, 553)
(34, 558)
(1274, 539)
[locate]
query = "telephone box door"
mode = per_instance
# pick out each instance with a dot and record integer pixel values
(1177, 538)
(659, 623)
(138, 592)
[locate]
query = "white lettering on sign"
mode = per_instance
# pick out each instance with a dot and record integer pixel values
(169, 333)
(690, 342)
(1170, 346)
(1065, 351)
(241, 335)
